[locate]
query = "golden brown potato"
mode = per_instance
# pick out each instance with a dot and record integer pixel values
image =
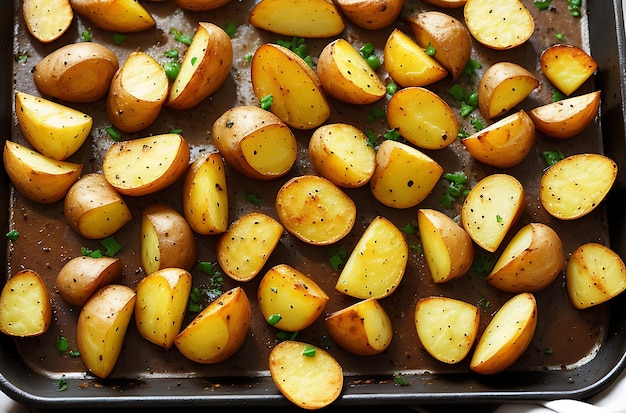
(255, 142)
(315, 210)
(25, 308)
(530, 261)
(82, 276)
(122, 16)
(77, 72)
(137, 92)
(38, 177)
(363, 328)
(201, 5)
(371, 14)
(499, 24)
(576, 185)
(567, 67)
(143, 166)
(346, 75)
(447, 247)
(502, 86)
(47, 20)
(94, 209)
(306, 375)
(567, 117)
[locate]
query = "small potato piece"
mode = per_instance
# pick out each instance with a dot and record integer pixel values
(377, 263)
(299, 18)
(306, 375)
(25, 308)
(507, 335)
(218, 331)
(315, 210)
(77, 72)
(447, 247)
(446, 327)
(295, 298)
(47, 20)
(576, 185)
(84, 275)
(255, 142)
(245, 247)
(137, 93)
(505, 143)
(122, 16)
(567, 117)
(204, 69)
(371, 14)
(530, 262)
(340, 153)
(567, 67)
(346, 75)
(503, 86)
(364, 328)
(201, 5)
(403, 176)
(278, 72)
(493, 205)
(499, 24)
(161, 305)
(422, 117)
(37, 177)
(408, 64)
(143, 166)
(448, 35)
(54, 130)
(594, 275)
(205, 195)
(94, 209)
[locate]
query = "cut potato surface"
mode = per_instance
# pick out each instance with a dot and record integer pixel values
(81, 276)
(503, 86)
(567, 117)
(499, 24)
(47, 20)
(25, 308)
(123, 16)
(371, 14)
(567, 67)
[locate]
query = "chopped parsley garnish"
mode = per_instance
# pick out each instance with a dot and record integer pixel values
(86, 252)
(194, 60)
(13, 234)
(195, 300)
(61, 385)
(552, 157)
(248, 58)
(266, 102)
(309, 351)
(471, 66)
(337, 258)
(463, 134)
(171, 54)
(483, 264)
(409, 229)
(113, 133)
(574, 7)
(179, 37)
(111, 246)
(119, 38)
(392, 88)
(468, 99)
(477, 124)
(499, 219)
(542, 4)
(62, 344)
(456, 188)
(368, 53)
(559, 36)
(176, 130)
(286, 335)
(230, 29)
(86, 36)
(273, 319)
(371, 138)
(430, 50)
(392, 135)
(549, 351)
(171, 69)
(400, 381)
(375, 113)
(557, 96)
(211, 290)
(299, 47)
(253, 199)
(21, 57)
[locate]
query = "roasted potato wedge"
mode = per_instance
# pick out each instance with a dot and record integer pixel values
(530, 262)
(567, 67)
(576, 185)
(47, 20)
(77, 72)
(363, 328)
(315, 210)
(102, 326)
(25, 308)
(306, 375)
(594, 275)
(161, 305)
(122, 16)
(499, 24)
(201, 5)
(502, 87)
(493, 205)
(82, 276)
(376, 265)
(94, 209)
(245, 247)
(290, 296)
(371, 14)
(218, 331)
(446, 327)
(37, 177)
(143, 166)
(507, 336)
(567, 117)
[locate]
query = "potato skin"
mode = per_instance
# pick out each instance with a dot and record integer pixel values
(83, 275)
(371, 14)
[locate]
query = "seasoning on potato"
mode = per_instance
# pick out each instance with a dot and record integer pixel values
(25, 308)
(121, 16)
(82, 276)
(567, 117)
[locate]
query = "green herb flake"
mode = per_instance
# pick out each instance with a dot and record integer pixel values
(400, 381)
(111, 245)
(367, 52)
(119, 38)
(13, 234)
(231, 29)
(417, 248)
(574, 7)
(542, 4)
(456, 188)
(477, 124)
(375, 113)
(179, 37)
(62, 385)
(171, 69)
(392, 135)
(21, 57)
(253, 199)
(338, 258)
(409, 229)
(392, 88)
(86, 252)
(299, 47)
(309, 351)
(548, 351)
(75, 353)
(483, 264)
(471, 66)
(248, 58)
(430, 50)
(195, 300)
(86, 36)
(552, 157)
(371, 138)
(266, 102)
(557, 96)
(176, 130)
(463, 134)
(194, 60)
(273, 319)
(559, 36)
(499, 219)
(62, 344)
(171, 54)
(113, 133)
(286, 335)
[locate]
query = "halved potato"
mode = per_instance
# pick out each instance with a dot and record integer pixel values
(567, 117)
(567, 67)
(363, 328)
(346, 75)
(121, 16)
(446, 327)
(47, 20)
(447, 247)
(507, 335)
(422, 117)
(143, 166)
(502, 86)
(493, 205)
(576, 185)
(377, 263)
(306, 375)
(404, 176)
(371, 14)
(201, 5)
(25, 308)
(82, 276)
(505, 143)
(54, 130)
(499, 24)
(315, 210)
(530, 262)
(594, 275)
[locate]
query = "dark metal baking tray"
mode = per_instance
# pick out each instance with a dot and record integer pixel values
(145, 376)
